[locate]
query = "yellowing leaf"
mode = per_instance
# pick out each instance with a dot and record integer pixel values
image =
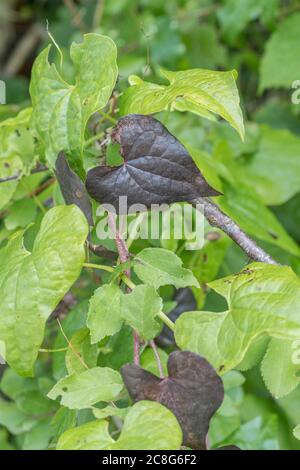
(203, 92)
(61, 110)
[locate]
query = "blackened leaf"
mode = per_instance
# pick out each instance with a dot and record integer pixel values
(193, 392)
(157, 168)
(72, 188)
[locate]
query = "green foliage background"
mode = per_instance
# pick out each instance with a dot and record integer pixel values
(260, 180)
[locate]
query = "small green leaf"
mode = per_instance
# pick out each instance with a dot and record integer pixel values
(104, 316)
(32, 284)
(203, 92)
(110, 411)
(279, 371)
(159, 267)
(61, 110)
(139, 310)
(81, 390)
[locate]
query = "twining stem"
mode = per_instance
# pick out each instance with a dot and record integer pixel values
(124, 257)
(71, 346)
(217, 218)
(156, 354)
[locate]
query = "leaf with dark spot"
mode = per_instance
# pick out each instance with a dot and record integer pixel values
(193, 392)
(157, 168)
(72, 188)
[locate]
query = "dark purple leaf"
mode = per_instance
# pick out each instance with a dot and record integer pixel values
(72, 188)
(157, 168)
(193, 392)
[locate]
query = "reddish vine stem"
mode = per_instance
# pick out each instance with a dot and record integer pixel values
(217, 218)
(124, 256)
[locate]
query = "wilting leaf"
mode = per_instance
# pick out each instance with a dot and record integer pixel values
(81, 390)
(203, 92)
(61, 110)
(157, 168)
(32, 284)
(147, 426)
(72, 188)
(193, 392)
